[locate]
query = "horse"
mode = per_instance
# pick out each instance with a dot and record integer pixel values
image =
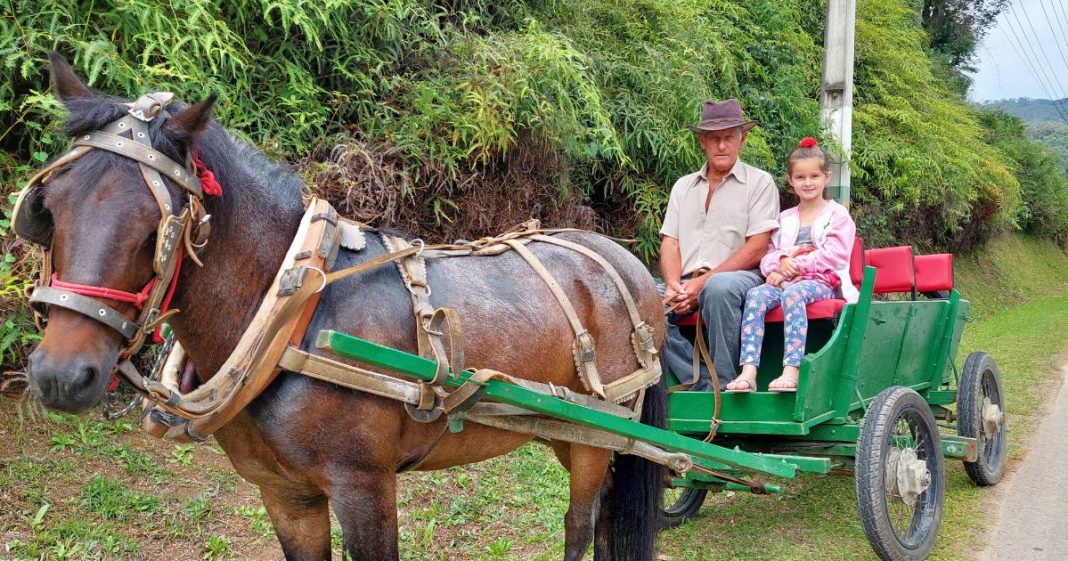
(309, 445)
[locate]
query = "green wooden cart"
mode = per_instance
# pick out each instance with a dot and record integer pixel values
(878, 377)
(877, 389)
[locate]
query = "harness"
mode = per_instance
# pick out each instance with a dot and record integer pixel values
(271, 342)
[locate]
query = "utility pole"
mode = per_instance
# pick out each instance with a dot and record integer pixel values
(836, 99)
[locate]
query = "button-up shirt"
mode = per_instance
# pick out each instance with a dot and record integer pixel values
(745, 204)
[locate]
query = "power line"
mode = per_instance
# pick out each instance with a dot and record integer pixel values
(1037, 70)
(1042, 49)
(1031, 67)
(1049, 21)
(1064, 18)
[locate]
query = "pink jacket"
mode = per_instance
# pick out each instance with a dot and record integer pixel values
(833, 233)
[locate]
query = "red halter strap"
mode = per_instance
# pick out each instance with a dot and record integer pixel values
(135, 298)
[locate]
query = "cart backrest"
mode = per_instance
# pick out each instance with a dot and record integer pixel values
(856, 262)
(934, 273)
(896, 269)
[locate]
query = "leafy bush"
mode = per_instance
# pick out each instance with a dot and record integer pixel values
(1045, 186)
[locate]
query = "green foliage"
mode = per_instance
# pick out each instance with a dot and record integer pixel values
(1045, 185)
(926, 174)
(1044, 123)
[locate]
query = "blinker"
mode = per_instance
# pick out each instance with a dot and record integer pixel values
(31, 220)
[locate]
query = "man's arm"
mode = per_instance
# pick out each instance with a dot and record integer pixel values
(746, 257)
(671, 264)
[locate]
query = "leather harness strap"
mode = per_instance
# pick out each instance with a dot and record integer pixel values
(582, 347)
(701, 347)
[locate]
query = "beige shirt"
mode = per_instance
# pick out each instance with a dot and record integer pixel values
(746, 204)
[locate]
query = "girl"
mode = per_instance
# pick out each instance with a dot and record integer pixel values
(807, 260)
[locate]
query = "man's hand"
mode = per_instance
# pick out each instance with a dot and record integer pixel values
(687, 298)
(674, 295)
(775, 279)
(788, 267)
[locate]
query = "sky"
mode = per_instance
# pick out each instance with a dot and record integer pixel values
(1025, 31)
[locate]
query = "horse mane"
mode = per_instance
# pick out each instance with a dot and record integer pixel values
(238, 166)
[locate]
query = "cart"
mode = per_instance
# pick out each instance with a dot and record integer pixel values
(876, 389)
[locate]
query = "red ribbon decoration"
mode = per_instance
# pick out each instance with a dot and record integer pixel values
(208, 182)
(808, 142)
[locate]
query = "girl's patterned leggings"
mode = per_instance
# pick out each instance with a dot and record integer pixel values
(794, 298)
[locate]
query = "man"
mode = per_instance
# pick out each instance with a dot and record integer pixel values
(717, 227)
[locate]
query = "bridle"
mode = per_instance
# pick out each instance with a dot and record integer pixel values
(181, 232)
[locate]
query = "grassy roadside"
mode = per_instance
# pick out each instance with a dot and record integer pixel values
(80, 488)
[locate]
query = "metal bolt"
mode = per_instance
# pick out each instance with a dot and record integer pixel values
(102, 312)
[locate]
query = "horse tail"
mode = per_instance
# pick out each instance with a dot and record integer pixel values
(634, 499)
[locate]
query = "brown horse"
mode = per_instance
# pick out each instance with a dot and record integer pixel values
(309, 445)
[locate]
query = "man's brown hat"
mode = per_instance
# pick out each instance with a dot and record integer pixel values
(724, 115)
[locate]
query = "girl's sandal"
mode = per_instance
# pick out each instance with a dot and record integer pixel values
(792, 388)
(750, 387)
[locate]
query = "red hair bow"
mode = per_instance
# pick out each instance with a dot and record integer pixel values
(808, 142)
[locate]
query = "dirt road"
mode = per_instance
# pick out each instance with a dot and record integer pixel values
(1033, 517)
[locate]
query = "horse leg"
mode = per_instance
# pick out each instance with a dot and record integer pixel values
(301, 520)
(365, 503)
(588, 467)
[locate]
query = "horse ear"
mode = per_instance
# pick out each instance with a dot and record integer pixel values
(68, 84)
(186, 126)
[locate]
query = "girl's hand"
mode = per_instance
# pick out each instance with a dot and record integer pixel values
(788, 267)
(775, 279)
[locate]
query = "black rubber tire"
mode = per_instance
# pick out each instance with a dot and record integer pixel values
(682, 508)
(980, 379)
(902, 412)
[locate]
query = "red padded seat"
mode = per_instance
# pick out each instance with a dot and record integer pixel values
(896, 269)
(856, 262)
(820, 309)
(934, 272)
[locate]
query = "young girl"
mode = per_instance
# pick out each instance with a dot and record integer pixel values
(807, 260)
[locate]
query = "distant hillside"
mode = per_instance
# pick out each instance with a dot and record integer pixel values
(1032, 110)
(1043, 122)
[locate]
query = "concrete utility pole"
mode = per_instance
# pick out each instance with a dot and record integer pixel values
(836, 99)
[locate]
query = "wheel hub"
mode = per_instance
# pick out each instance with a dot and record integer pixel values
(907, 475)
(993, 418)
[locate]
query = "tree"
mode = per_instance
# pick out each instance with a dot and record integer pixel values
(955, 28)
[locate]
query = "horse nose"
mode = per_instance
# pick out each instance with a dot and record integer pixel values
(67, 385)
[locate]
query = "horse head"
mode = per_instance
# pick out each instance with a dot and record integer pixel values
(101, 212)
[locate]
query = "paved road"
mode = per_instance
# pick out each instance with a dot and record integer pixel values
(1033, 518)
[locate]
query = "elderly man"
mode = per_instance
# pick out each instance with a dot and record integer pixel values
(716, 230)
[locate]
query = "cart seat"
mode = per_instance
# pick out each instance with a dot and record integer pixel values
(934, 273)
(896, 269)
(822, 309)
